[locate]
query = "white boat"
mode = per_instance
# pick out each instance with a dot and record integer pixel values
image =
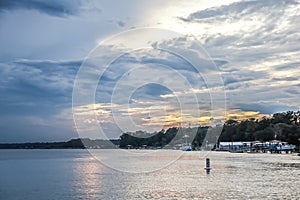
(286, 147)
(186, 148)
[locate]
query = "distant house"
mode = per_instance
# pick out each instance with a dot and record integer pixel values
(226, 146)
(256, 146)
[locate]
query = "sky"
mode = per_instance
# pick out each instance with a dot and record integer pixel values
(235, 59)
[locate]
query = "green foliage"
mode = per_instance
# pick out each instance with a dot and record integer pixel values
(282, 126)
(168, 139)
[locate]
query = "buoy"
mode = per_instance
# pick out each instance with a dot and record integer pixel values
(207, 168)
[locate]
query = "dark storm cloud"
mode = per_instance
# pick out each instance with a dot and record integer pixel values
(151, 91)
(36, 86)
(35, 101)
(59, 8)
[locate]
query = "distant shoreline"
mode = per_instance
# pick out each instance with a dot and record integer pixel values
(71, 144)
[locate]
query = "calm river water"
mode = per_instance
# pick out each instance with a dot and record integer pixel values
(75, 174)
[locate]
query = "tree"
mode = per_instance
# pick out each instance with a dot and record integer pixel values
(264, 135)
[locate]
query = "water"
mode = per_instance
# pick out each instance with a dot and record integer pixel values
(75, 174)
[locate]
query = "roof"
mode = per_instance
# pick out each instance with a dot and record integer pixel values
(233, 143)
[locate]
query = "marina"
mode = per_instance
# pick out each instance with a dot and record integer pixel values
(274, 146)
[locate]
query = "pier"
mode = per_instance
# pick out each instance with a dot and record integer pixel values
(274, 146)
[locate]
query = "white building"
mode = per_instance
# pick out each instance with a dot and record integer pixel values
(225, 146)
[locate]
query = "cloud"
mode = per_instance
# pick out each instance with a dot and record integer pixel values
(146, 89)
(251, 26)
(267, 107)
(239, 114)
(148, 74)
(35, 102)
(254, 44)
(58, 8)
(36, 86)
(239, 9)
(150, 91)
(259, 41)
(34, 128)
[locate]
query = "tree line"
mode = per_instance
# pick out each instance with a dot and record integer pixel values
(283, 126)
(167, 139)
(80, 143)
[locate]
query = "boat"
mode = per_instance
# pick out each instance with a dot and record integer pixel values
(283, 146)
(186, 148)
